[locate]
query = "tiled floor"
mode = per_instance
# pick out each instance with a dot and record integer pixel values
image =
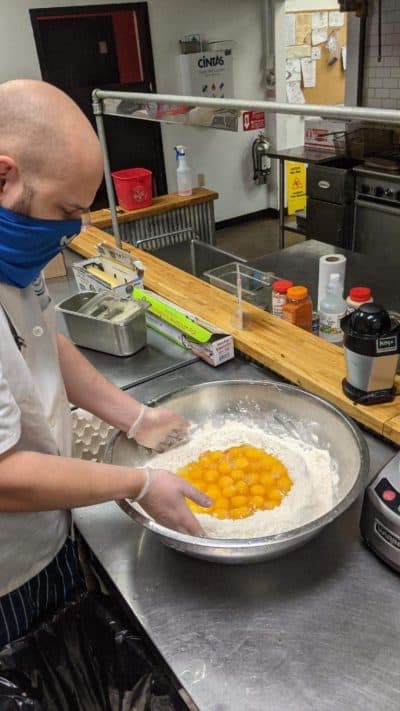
(254, 238)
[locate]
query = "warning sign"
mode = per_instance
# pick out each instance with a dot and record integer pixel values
(296, 186)
(253, 120)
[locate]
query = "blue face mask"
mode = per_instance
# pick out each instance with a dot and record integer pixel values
(27, 244)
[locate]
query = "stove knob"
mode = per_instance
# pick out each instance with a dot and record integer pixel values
(365, 188)
(379, 192)
(389, 193)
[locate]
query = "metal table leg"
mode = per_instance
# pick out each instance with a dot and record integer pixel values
(281, 237)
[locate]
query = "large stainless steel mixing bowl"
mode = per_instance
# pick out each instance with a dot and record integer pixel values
(279, 409)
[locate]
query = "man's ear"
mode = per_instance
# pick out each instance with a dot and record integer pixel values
(8, 172)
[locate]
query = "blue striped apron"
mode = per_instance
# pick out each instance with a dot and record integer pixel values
(48, 590)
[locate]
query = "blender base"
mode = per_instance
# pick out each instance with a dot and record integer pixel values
(361, 397)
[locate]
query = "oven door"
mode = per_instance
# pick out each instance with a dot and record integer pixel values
(377, 229)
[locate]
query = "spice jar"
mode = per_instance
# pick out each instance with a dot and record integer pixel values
(358, 296)
(298, 308)
(279, 296)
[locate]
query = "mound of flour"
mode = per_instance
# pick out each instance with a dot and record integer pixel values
(312, 470)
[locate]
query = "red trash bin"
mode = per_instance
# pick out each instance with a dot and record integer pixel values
(134, 187)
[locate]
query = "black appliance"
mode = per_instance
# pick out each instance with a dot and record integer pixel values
(380, 517)
(371, 349)
(330, 204)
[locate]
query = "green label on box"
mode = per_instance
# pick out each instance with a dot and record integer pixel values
(171, 315)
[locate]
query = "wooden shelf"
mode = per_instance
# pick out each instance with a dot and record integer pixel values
(161, 204)
(298, 356)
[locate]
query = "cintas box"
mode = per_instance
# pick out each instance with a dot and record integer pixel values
(188, 331)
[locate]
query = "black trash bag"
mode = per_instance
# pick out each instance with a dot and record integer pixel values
(84, 658)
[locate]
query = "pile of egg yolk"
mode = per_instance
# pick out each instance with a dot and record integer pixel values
(239, 480)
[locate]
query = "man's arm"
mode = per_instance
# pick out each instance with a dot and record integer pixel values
(155, 428)
(30, 481)
(87, 388)
(165, 493)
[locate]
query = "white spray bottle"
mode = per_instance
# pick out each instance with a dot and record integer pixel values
(183, 172)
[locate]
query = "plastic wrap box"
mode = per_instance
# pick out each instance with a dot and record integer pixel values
(188, 331)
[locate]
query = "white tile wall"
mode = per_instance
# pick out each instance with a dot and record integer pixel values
(382, 79)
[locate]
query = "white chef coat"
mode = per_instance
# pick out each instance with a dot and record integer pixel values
(34, 416)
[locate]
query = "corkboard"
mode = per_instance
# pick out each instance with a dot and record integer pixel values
(330, 80)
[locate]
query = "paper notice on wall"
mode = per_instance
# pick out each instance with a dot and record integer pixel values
(336, 19)
(298, 52)
(296, 187)
(309, 72)
(344, 58)
(319, 20)
(294, 93)
(316, 53)
(290, 25)
(293, 70)
(303, 28)
(319, 36)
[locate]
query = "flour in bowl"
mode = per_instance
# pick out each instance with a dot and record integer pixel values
(312, 470)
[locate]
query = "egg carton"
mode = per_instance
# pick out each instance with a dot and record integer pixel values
(90, 435)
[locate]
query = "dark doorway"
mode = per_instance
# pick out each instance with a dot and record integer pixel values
(109, 47)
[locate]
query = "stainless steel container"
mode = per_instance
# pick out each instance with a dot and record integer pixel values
(281, 410)
(97, 321)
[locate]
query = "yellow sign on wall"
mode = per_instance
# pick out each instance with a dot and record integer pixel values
(296, 186)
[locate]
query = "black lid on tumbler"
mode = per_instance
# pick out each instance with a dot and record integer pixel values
(370, 331)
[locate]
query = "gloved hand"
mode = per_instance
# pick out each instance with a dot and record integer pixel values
(163, 498)
(158, 428)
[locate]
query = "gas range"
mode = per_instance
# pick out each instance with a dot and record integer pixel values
(377, 185)
(376, 213)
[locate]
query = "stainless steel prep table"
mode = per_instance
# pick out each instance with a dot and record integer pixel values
(300, 263)
(158, 357)
(299, 154)
(317, 630)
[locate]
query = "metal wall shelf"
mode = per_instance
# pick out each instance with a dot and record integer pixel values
(160, 106)
(224, 119)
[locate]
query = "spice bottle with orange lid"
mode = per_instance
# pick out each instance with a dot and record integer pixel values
(298, 308)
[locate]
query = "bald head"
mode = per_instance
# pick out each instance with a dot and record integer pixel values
(40, 124)
(48, 138)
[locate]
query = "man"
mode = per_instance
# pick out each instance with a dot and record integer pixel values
(50, 169)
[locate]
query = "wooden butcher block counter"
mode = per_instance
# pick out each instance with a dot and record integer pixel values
(298, 356)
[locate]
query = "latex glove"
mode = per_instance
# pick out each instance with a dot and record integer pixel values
(163, 498)
(158, 428)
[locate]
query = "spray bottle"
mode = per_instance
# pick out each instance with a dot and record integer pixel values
(183, 172)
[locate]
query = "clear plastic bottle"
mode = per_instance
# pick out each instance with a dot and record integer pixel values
(183, 172)
(332, 310)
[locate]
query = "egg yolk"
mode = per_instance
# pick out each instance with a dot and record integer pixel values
(239, 480)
